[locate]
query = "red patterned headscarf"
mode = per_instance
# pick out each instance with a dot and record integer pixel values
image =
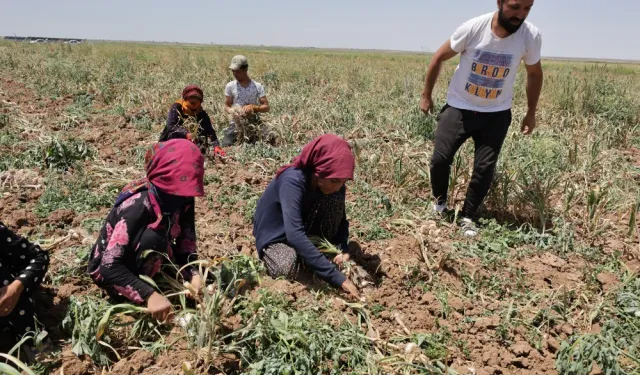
(327, 156)
(175, 167)
(192, 90)
(189, 91)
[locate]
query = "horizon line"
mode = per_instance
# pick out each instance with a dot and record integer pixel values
(566, 58)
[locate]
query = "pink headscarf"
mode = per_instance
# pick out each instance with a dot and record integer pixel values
(327, 156)
(175, 167)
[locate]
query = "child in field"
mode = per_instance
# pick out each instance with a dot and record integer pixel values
(154, 213)
(245, 99)
(187, 119)
(22, 268)
(307, 198)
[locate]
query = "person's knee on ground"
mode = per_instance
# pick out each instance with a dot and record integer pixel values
(281, 260)
(230, 136)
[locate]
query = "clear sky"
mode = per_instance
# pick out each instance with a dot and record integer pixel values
(570, 28)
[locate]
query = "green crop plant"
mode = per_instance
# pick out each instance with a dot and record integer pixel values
(65, 154)
(78, 193)
(19, 369)
(74, 267)
(5, 119)
(77, 113)
(325, 246)
(616, 348)
(226, 280)
(88, 321)
(597, 200)
(495, 246)
(633, 219)
(277, 339)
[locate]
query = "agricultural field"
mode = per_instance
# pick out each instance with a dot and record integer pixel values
(551, 286)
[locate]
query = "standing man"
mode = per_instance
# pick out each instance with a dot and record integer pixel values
(245, 99)
(479, 98)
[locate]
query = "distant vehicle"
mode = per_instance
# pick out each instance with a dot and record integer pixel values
(74, 42)
(38, 41)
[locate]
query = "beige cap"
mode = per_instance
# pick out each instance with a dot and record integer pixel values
(237, 62)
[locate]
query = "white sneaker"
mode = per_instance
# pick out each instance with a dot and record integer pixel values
(468, 227)
(440, 208)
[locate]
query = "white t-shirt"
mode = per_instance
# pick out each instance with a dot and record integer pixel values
(483, 81)
(244, 95)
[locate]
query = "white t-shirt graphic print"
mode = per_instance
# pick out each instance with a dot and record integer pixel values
(483, 81)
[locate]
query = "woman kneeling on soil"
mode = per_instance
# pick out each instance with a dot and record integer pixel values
(22, 268)
(188, 120)
(154, 213)
(307, 198)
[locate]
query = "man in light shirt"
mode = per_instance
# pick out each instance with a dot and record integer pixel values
(245, 99)
(480, 95)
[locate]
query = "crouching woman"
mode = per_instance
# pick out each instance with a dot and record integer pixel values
(154, 213)
(188, 119)
(307, 198)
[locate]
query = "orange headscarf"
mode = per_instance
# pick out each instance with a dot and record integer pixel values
(187, 109)
(189, 91)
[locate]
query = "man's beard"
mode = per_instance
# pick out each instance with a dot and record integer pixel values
(507, 23)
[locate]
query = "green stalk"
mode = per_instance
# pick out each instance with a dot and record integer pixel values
(18, 363)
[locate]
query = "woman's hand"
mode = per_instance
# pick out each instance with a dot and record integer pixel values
(350, 289)
(9, 296)
(341, 258)
(195, 286)
(218, 151)
(159, 307)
